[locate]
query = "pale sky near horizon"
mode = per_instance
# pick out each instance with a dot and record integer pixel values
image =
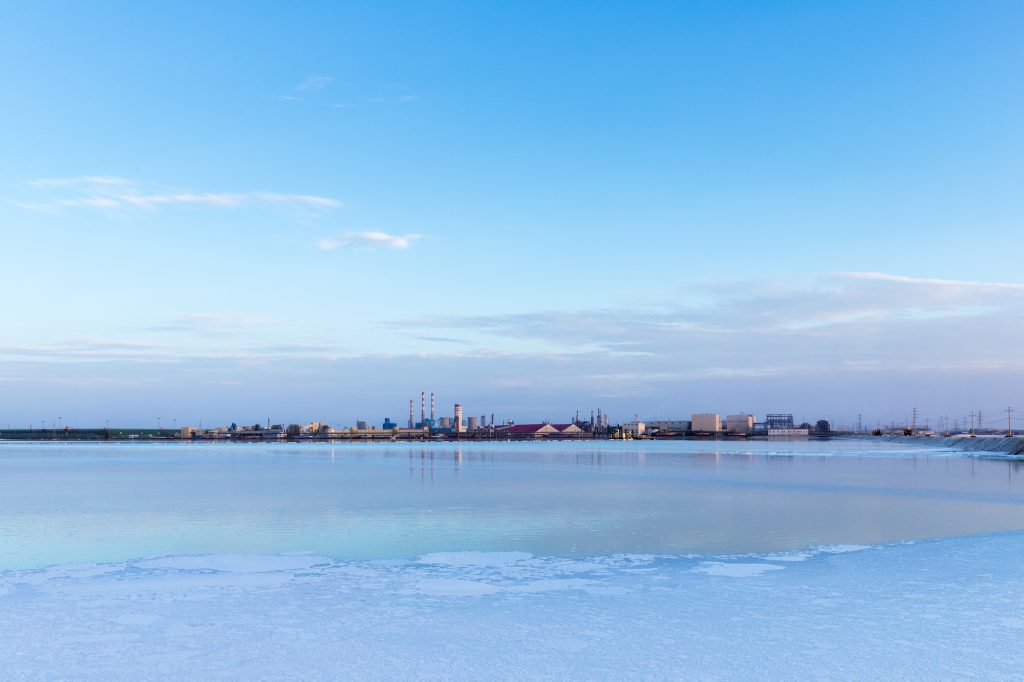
(235, 211)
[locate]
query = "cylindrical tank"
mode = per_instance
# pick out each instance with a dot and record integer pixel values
(474, 423)
(458, 419)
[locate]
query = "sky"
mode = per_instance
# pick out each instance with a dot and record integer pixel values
(226, 211)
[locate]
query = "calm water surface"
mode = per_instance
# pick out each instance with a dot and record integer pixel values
(92, 502)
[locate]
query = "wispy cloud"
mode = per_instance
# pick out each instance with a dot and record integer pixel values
(931, 282)
(108, 180)
(119, 194)
(368, 240)
(845, 320)
(314, 83)
(319, 90)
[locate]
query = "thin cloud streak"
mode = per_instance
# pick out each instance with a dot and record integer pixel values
(955, 283)
(314, 83)
(368, 240)
(83, 180)
(119, 194)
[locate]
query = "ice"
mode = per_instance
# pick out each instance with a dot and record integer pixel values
(554, 584)
(736, 570)
(940, 609)
(448, 587)
(474, 558)
(842, 549)
(234, 563)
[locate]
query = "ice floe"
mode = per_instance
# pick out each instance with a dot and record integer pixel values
(736, 570)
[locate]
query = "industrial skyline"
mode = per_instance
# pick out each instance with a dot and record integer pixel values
(599, 423)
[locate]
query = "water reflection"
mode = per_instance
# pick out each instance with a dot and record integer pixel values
(61, 503)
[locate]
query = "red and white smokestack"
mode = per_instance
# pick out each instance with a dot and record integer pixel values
(423, 407)
(431, 406)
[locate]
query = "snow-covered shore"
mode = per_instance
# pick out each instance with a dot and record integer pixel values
(999, 445)
(939, 609)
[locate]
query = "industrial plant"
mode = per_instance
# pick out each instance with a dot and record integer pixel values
(456, 425)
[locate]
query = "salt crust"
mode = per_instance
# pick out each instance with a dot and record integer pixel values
(947, 609)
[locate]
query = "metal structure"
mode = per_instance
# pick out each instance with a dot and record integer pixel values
(779, 421)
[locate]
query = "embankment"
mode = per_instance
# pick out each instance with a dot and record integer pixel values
(996, 445)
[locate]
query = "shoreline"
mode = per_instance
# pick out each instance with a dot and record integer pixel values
(1007, 446)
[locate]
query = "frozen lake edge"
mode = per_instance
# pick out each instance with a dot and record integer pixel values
(947, 608)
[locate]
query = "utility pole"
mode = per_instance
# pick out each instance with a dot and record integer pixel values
(860, 427)
(972, 424)
(1009, 421)
(913, 422)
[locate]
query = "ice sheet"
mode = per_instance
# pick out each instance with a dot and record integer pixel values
(928, 610)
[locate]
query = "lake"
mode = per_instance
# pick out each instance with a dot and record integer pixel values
(102, 502)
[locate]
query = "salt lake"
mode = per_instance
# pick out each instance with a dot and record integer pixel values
(98, 502)
(836, 559)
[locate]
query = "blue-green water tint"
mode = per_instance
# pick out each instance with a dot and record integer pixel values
(98, 502)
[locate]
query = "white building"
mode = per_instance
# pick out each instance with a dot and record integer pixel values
(634, 428)
(707, 423)
(740, 423)
(674, 425)
(788, 433)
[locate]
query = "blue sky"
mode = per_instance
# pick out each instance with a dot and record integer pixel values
(234, 212)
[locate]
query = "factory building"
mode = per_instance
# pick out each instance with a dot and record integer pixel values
(740, 423)
(706, 423)
(795, 432)
(663, 426)
(635, 429)
(782, 426)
